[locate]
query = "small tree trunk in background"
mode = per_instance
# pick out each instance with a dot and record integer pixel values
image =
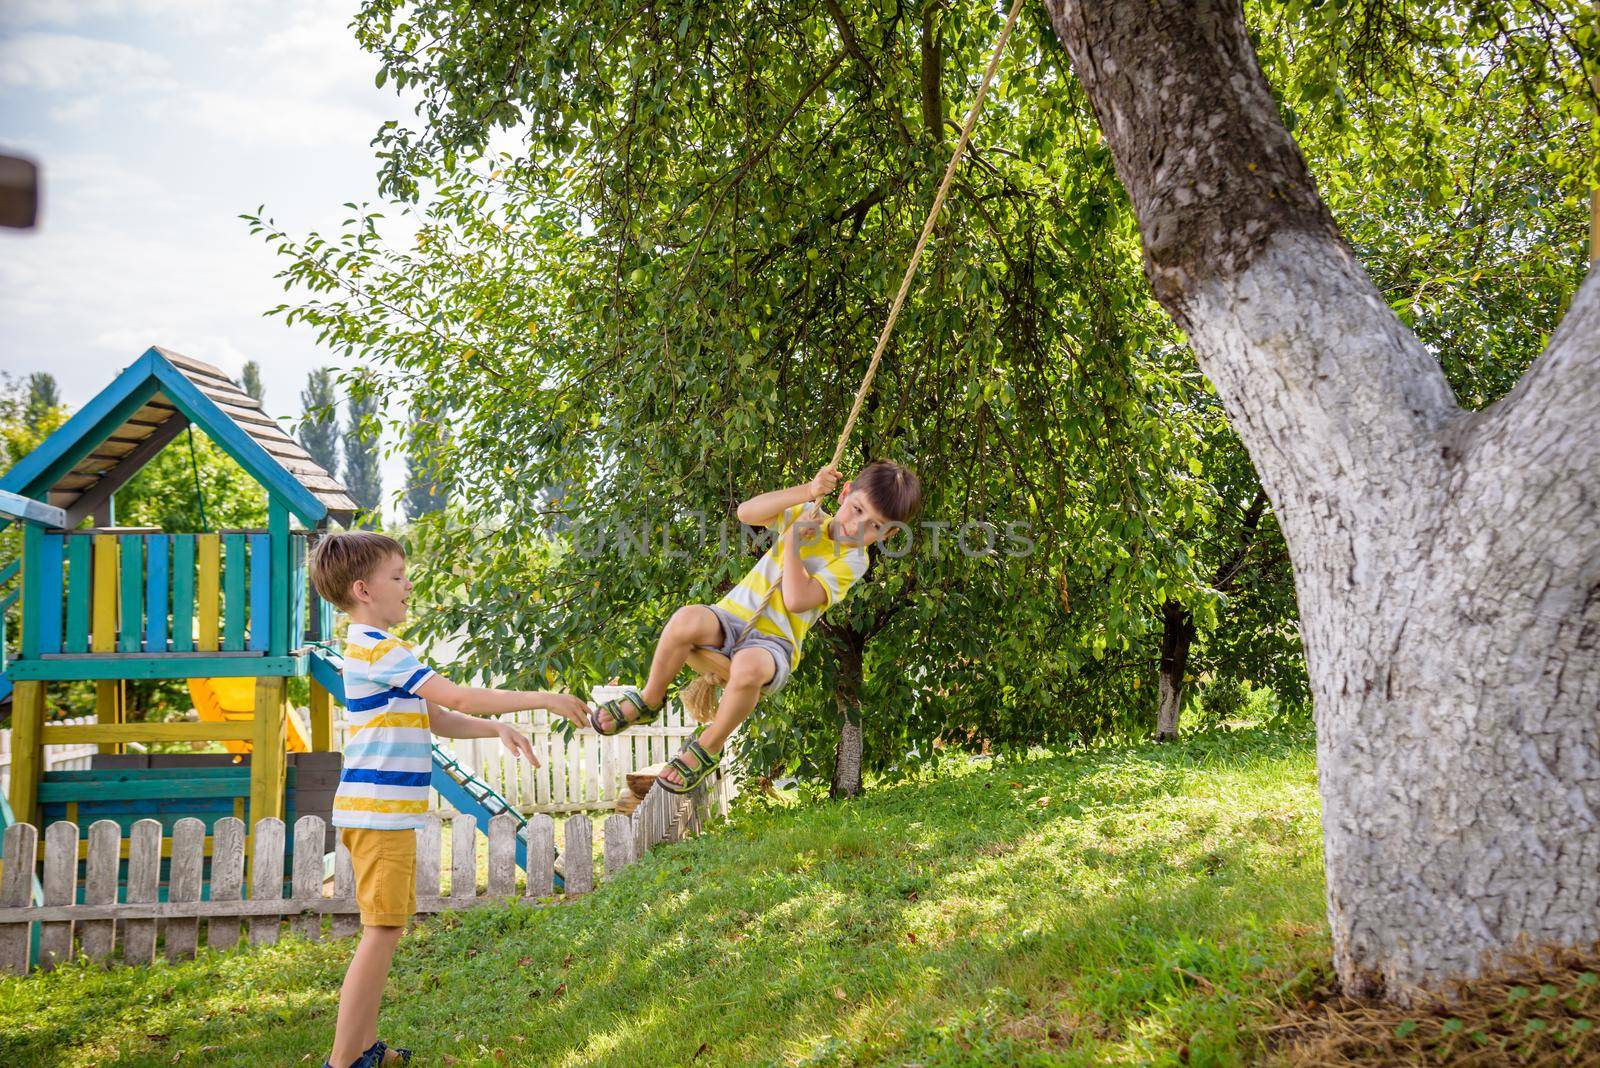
(847, 694)
(932, 71)
(1177, 634)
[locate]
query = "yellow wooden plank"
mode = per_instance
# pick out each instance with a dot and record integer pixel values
(267, 761)
(84, 733)
(104, 638)
(107, 709)
(321, 719)
(208, 598)
(27, 753)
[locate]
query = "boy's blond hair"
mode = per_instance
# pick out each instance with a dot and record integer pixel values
(343, 558)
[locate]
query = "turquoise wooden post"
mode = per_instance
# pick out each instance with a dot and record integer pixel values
(260, 591)
(32, 587)
(233, 587)
(183, 593)
(49, 612)
(278, 529)
(131, 625)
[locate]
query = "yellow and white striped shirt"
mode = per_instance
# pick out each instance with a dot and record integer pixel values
(835, 565)
(388, 761)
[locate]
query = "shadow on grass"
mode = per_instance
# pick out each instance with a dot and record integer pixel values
(1023, 912)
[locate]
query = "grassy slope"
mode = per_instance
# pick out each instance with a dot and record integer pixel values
(1144, 904)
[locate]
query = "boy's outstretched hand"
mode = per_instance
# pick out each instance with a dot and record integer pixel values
(517, 742)
(570, 708)
(827, 478)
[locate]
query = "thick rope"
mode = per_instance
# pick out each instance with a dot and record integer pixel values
(927, 232)
(698, 696)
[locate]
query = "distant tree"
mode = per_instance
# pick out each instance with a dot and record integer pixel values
(250, 380)
(319, 425)
(424, 492)
(44, 401)
(361, 474)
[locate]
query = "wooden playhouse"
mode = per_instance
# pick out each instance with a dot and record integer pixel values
(230, 610)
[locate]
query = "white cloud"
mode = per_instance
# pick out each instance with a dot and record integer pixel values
(293, 121)
(79, 110)
(60, 62)
(196, 15)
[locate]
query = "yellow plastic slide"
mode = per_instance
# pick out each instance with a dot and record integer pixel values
(234, 701)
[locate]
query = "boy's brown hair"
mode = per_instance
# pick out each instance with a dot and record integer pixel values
(894, 489)
(342, 558)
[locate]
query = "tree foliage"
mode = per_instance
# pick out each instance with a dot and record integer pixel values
(654, 244)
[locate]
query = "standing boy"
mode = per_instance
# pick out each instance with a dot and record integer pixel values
(393, 703)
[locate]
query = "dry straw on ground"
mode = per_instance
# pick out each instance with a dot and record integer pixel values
(1542, 1009)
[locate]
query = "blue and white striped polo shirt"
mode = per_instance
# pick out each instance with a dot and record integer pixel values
(387, 761)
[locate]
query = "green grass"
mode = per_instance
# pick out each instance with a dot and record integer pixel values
(1119, 905)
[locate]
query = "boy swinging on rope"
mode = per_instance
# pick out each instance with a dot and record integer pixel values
(762, 622)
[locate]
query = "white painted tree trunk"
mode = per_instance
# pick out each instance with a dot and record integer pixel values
(1447, 563)
(1169, 705)
(1449, 589)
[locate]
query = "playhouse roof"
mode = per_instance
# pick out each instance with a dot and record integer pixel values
(108, 440)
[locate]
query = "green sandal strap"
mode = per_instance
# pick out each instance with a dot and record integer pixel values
(619, 721)
(692, 777)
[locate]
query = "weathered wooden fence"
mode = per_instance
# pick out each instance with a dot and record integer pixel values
(141, 922)
(56, 757)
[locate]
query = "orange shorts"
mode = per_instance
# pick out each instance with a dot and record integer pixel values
(385, 864)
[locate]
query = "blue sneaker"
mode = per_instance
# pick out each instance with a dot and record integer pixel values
(378, 1055)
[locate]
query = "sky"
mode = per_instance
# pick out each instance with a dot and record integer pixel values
(156, 123)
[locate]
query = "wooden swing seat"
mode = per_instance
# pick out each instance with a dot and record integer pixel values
(711, 664)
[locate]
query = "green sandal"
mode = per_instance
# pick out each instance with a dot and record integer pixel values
(705, 764)
(620, 722)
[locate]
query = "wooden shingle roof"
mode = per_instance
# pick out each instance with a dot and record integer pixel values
(106, 442)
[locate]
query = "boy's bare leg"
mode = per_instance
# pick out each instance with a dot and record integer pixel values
(691, 625)
(751, 670)
(361, 994)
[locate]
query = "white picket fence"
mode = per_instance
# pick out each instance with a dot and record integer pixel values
(581, 773)
(56, 757)
(140, 918)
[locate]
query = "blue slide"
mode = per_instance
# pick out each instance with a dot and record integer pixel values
(454, 781)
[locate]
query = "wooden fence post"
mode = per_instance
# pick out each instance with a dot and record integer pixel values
(144, 877)
(618, 844)
(183, 886)
(463, 858)
(227, 879)
(100, 888)
(344, 889)
(266, 877)
(541, 833)
(503, 855)
(310, 835)
(60, 888)
(579, 867)
(16, 891)
(428, 850)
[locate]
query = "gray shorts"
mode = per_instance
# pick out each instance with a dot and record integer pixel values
(782, 654)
